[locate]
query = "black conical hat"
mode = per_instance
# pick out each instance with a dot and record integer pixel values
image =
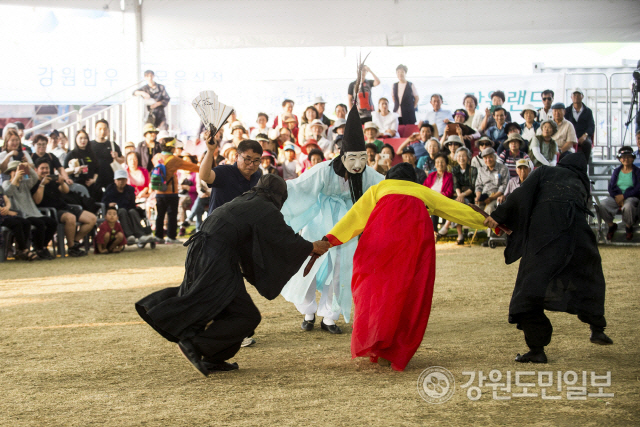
(353, 139)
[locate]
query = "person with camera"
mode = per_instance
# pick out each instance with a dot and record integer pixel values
(12, 151)
(48, 194)
(40, 143)
(365, 99)
(22, 178)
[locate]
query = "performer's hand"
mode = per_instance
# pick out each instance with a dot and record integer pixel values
(490, 222)
(321, 247)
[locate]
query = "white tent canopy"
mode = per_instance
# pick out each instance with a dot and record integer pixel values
(204, 24)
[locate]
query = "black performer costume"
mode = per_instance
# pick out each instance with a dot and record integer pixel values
(245, 237)
(561, 269)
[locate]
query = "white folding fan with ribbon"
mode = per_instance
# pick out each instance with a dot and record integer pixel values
(212, 112)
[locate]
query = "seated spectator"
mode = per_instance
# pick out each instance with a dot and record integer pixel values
(565, 134)
(237, 134)
(440, 181)
(137, 177)
(387, 155)
(636, 153)
(513, 154)
(371, 135)
(287, 110)
(81, 164)
(291, 167)
(291, 123)
(110, 237)
(498, 133)
(341, 115)
(512, 129)
(167, 200)
(48, 194)
(545, 113)
(230, 154)
(417, 141)
(543, 149)
(315, 156)
(405, 98)
(318, 130)
(409, 156)
(530, 125)
(523, 168)
(477, 161)
(129, 147)
(149, 147)
(474, 116)
(319, 104)
(461, 116)
(449, 149)
(497, 100)
(385, 120)
(268, 144)
(121, 196)
(464, 182)
(262, 127)
(428, 162)
(227, 128)
(437, 116)
(624, 192)
(20, 227)
(40, 143)
(581, 117)
(373, 158)
(267, 164)
(309, 115)
(62, 147)
(12, 150)
(338, 134)
(22, 178)
(491, 182)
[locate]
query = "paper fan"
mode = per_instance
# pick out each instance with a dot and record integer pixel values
(212, 112)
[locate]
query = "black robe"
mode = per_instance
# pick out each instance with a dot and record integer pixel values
(561, 269)
(245, 237)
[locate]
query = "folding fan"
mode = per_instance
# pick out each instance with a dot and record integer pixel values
(212, 112)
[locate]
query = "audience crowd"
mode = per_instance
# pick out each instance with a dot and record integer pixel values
(152, 191)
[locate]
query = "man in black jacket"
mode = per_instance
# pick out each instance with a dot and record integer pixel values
(581, 117)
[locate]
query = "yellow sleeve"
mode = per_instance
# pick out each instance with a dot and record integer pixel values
(453, 211)
(352, 224)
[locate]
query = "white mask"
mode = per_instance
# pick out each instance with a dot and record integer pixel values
(354, 161)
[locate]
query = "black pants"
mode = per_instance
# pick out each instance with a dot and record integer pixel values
(21, 229)
(435, 220)
(131, 222)
(222, 339)
(537, 326)
(45, 228)
(167, 204)
(584, 148)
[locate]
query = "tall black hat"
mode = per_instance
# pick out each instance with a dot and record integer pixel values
(353, 139)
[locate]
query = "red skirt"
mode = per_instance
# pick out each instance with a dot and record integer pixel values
(393, 274)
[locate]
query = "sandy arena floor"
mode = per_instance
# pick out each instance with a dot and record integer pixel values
(75, 353)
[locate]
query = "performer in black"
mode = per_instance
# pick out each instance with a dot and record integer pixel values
(561, 269)
(210, 313)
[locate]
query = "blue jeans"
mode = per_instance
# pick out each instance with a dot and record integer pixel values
(197, 210)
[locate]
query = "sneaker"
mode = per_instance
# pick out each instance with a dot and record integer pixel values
(628, 233)
(146, 239)
(76, 252)
(169, 241)
(247, 342)
(131, 240)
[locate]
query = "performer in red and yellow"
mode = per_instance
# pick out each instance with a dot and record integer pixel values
(394, 266)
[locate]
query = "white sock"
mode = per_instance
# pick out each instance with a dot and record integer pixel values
(309, 316)
(328, 321)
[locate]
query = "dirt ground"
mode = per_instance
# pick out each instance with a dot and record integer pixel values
(75, 353)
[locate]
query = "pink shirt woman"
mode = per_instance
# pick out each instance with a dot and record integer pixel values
(138, 177)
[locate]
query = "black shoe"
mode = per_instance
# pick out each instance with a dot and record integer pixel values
(307, 325)
(485, 244)
(628, 233)
(44, 254)
(599, 337)
(220, 367)
(532, 357)
(611, 231)
(460, 241)
(333, 329)
(76, 252)
(189, 351)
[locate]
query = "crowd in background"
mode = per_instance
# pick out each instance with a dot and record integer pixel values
(155, 190)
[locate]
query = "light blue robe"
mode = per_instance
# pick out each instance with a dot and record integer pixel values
(317, 200)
